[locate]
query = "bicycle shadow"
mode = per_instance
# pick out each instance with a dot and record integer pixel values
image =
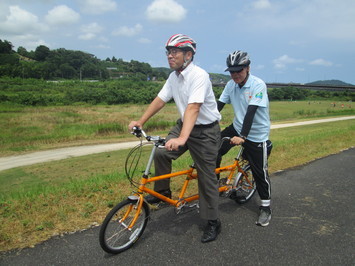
(164, 220)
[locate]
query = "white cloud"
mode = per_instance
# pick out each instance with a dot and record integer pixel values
(261, 4)
(165, 11)
(284, 60)
(19, 22)
(321, 62)
(90, 31)
(29, 41)
(98, 6)
(103, 46)
(62, 15)
(126, 31)
(87, 36)
(92, 27)
(144, 40)
(327, 19)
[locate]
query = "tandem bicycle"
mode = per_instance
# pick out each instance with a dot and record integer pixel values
(126, 222)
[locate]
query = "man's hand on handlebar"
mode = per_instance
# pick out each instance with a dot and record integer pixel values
(173, 144)
(237, 140)
(134, 124)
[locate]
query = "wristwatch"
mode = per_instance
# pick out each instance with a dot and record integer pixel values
(243, 137)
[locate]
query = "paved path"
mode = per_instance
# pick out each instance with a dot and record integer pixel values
(312, 224)
(64, 153)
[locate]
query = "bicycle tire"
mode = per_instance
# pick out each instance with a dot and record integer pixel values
(244, 190)
(114, 236)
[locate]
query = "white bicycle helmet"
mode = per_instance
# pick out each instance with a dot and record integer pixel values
(237, 60)
(181, 41)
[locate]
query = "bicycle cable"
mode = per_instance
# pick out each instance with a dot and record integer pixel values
(132, 162)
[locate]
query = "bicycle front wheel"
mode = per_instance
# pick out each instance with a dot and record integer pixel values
(245, 186)
(117, 233)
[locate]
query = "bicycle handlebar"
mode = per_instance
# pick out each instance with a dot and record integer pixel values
(139, 132)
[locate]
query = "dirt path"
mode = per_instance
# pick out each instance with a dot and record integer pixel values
(64, 153)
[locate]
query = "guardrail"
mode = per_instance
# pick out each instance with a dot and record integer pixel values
(303, 86)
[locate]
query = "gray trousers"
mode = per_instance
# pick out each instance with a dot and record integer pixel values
(203, 144)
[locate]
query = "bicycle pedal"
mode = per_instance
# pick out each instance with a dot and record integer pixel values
(185, 208)
(222, 181)
(232, 194)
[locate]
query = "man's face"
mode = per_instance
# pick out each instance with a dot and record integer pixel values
(239, 76)
(176, 57)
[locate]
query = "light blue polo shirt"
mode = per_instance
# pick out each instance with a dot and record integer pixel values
(254, 92)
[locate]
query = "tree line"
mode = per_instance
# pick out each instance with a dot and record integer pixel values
(24, 77)
(44, 63)
(37, 92)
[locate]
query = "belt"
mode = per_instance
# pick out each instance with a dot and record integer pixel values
(207, 125)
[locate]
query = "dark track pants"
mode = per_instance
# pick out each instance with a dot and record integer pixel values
(203, 145)
(257, 154)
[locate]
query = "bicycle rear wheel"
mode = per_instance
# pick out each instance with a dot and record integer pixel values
(245, 186)
(115, 236)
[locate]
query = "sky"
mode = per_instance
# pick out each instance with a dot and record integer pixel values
(296, 41)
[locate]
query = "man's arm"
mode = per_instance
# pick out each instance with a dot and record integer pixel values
(247, 122)
(190, 117)
(220, 105)
(156, 105)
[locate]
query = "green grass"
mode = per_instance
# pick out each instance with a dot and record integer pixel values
(287, 110)
(27, 129)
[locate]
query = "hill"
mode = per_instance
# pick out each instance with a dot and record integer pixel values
(219, 78)
(332, 82)
(215, 78)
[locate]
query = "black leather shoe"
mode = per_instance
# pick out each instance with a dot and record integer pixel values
(151, 199)
(212, 230)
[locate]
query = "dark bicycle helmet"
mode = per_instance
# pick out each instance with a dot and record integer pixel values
(181, 41)
(237, 60)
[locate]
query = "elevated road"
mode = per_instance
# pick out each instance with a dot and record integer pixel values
(303, 86)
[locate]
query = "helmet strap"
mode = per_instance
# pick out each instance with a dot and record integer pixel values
(241, 84)
(185, 64)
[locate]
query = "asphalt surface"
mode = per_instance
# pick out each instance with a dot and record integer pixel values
(64, 153)
(312, 224)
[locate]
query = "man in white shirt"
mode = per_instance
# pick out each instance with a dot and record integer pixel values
(197, 130)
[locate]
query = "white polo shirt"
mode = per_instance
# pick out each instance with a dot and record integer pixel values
(192, 85)
(254, 92)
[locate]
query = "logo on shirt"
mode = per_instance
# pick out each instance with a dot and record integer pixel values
(259, 95)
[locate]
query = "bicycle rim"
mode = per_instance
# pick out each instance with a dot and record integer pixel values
(115, 236)
(245, 186)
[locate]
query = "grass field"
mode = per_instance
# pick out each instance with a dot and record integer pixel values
(42, 200)
(27, 129)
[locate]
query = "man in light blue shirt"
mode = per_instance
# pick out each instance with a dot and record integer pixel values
(250, 127)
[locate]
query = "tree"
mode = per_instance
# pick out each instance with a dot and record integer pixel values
(41, 53)
(22, 51)
(5, 47)
(67, 71)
